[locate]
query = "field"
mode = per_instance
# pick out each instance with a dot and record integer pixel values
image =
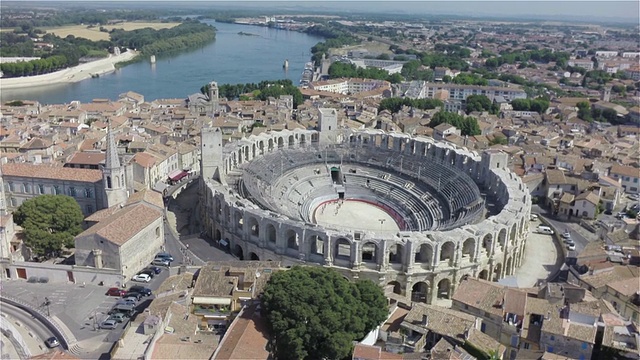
(95, 34)
(373, 46)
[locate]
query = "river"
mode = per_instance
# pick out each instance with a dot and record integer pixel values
(230, 59)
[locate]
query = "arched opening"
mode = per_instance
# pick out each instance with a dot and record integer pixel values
(502, 238)
(486, 244)
(253, 150)
(254, 227)
(394, 287)
(271, 233)
(468, 248)
(246, 153)
(303, 139)
(238, 252)
(507, 268)
(447, 251)
(292, 141)
(342, 249)
(239, 220)
(317, 245)
(484, 274)
(253, 256)
(512, 236)
(419, 292)
(217, 235)
(369, 253)
(497, 271)
(444, 289)
(395, 254)
(424, 255)
(261, 147)
(293, 240)
(270, 145)
(280, 142)
(109, 185)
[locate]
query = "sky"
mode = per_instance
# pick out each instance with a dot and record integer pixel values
(584, 10)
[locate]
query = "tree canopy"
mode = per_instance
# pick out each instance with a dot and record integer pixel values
(261, 91)
(394, 104)
(480, 103)
(468, 125)
(50, 222)
(315, 313)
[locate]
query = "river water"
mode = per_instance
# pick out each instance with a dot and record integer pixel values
(231, 58)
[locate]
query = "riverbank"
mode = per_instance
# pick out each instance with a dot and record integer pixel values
(70, 75)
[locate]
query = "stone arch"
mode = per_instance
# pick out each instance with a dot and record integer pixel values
(246, 153)
(487, 241)
(424, 255)
(342, 249)
(508, 267)
(109, 183)
(217, 235)
(239, 219)
(253, 256)
(261, 147)
(303, 138)
(270, 144)
(444, 289)
(271, 233)
(394, 287)
(513, 234)
(316, 245)
(469, 248)
(497, 272)
(253, 150)
(293, 239)
(484, 274)
(420, 292)
(280, 142)
(502, 238)
(396, 252)
(254, 227)
(447, 251)
(292, 141)
(523, 229)
(238, 252)
(369, 252)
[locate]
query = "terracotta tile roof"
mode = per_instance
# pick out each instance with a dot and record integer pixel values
(625, 171)
(47, 171)
(54, 355)
(368, 352)
(123, 224)
(480, 294)
(246, 338)
(145, 159)
(556, 177)
(36, 143)
(151, 197)
(589, 196)
(440, 320)
(87, 158)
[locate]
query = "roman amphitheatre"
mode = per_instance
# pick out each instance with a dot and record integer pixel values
(410, 213)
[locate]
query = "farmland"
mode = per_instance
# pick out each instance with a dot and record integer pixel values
(94, 33)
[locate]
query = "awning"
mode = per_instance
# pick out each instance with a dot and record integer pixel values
(224, 242)
(177, 175)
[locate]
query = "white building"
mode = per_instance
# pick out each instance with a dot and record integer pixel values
(629, 177)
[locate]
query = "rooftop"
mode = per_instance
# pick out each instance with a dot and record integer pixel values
(246, 338)
(47, 171)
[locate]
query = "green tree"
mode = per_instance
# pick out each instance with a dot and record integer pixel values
(478, 103)
(50, 222)
(315, 313)
(468, 125)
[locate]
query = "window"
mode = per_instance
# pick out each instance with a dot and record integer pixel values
(72, 191)
(40, 189)
(89, 209)
(514, 340)
(88, 192)
(584, 346)
(26, 188)
(483, 327)
(10, 186)
(56, 190)
(14, 202)
(550, 349)
(158, 231)
(527, 345)
(552, 338)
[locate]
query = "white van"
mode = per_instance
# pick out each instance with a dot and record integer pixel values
(542, 229)
(534, 217)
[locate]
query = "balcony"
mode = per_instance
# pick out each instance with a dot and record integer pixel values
(211, 312)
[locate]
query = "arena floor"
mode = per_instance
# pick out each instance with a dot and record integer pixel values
(356, 215)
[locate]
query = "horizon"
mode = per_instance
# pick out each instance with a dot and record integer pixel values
(568, 10)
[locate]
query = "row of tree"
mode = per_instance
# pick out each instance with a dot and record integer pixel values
(261, 91)
(394, 104)
(539, 105)
(34, 67)
(589, 113)
(468, 125)
(179, 42)
(335, 38)
(345, 70)
(138, 39)
(541, 56)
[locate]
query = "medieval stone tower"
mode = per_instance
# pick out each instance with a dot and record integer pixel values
(113, 174)
(328, 125)
(211, 154)
(214, 96)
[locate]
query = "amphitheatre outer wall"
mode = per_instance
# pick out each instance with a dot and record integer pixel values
(412, 266)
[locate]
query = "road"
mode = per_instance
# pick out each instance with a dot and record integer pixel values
(39, 330)
(560, 227)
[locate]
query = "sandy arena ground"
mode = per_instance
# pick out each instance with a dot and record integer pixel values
(356, 215)
(70, 75)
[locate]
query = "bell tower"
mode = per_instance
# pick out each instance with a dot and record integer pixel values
(214, 94)
(113, 174)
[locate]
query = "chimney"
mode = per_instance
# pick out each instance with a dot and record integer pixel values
(97, 258)
(425, 320)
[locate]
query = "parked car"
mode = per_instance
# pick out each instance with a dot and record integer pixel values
(534, 217)
(114, 291)
(118, 317)
(542, 229)
(571, 247)
(164, 255)
(109, 324)
(127, 310)
(141, 277)
(566, 235)
(126, 301)
(148, 272)
(161, 262)
(156, 270)
(52, 342)
(132, 294)
(141, 290)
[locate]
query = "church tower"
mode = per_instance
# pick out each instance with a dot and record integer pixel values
(213, 96)
(113, 174)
